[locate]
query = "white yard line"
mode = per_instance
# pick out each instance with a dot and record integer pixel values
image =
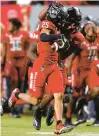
(40, 133)
(65, 134)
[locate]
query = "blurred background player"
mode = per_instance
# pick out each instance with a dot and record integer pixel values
(95, 103)
(2, 72)
(15, 44)
(86, 66)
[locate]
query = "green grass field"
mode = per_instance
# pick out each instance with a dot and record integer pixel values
(23, 127)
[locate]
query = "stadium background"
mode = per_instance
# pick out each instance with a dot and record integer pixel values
(12, 9)
(28, 14)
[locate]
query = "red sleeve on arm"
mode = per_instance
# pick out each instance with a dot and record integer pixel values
(26, 36)
(34, 37)
(78, 38)
(4, 37)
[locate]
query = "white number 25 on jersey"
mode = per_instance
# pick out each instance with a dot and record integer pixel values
(45, 24)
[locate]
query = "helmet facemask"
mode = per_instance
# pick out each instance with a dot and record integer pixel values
(56, 15)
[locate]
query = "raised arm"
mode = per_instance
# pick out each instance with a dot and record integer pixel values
(43, 14)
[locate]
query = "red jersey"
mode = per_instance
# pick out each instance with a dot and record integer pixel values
(77, 38)
(44, 48)
(35, 36)
(89, 51)
(16, 43)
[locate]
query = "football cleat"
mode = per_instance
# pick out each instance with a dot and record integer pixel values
(60, 129)
(37, 119)
(68, 124)
(96, 123)
(15, 115)
(81, 121)
(50, 115)
(13, 99)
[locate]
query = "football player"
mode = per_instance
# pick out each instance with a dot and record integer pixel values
(15, 44)
(45, 68)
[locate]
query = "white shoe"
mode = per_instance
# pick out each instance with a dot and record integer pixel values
(91, 120)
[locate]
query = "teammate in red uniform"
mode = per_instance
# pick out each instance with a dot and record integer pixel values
(72, 14)
(2, 72)
(89, 52)
(45, 68)
(2, 66)
(15, 44)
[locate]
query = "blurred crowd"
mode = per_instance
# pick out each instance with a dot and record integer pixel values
(69, 2)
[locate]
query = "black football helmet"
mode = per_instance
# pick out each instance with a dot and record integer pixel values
(73, 19)
(56, 14)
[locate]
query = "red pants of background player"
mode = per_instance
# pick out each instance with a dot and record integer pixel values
(41, 74)
(16, 68)
(89, 76)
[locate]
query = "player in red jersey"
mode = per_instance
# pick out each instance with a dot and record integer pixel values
(63, 55)
(45, 68)
(85, 58)
(89, 52)
(15, 44)
(2, 78)
(77, 39)
(2, 66)
(61, 63)
(51, 59)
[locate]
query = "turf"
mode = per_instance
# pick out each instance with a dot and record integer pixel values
(23, 127)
